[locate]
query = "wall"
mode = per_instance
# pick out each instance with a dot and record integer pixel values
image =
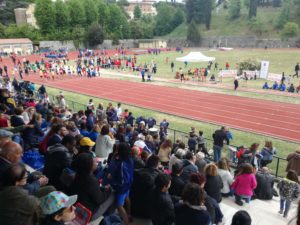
(212, 42)
(236, 42)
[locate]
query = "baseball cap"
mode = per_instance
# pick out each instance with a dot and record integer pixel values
(86, 142)
(55, 201)
(5, 133)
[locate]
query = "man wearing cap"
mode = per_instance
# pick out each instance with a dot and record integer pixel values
(86, 145)
(58, 208)
(62, 153)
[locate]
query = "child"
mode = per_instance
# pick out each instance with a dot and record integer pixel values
(289, 191)
(121, 175)
(162, 208)
(244, 184)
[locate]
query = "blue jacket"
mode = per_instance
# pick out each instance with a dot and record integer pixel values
(267, 154)
(188, 169)
(122, 175)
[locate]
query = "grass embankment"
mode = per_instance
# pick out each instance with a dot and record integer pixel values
(221, 25)
(240, 138)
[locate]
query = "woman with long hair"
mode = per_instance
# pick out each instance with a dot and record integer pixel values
(164, 152)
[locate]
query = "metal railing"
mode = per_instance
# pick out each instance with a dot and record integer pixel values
(277, 166)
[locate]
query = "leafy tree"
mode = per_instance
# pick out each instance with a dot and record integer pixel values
(178, 18)
(123, 3)
(94, 35)
(163, 18)
(136, 29)
(14, 31)
(7, 14)
(2, 30)
(285, 14)
(78, 36)
(91, 12)
(252, 8)
(277, 3)
(77, 13)
(208, 6)
(117, 22)
(199, 11)
(257, 26)
(45, 15)
(137, 12)
(249, 64)
(103, 11)
(234, 9)
(290, 29)
(61, 14)
(193, 34)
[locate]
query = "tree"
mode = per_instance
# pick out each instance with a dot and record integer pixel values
(94, 35)
(136, 29)
(252, 8)
(277, 3)
(45, 15)
(207, 13)
(137, 12)
(77, 13)
(103, 12)
(178, 18)
(285, 14)
(117, 22)
(61, 14)
(78, 36)
(234, 9)
(193, 34)
(199, 11)
(163, 18)
(91, 12)
(290, 29)
(7, 14)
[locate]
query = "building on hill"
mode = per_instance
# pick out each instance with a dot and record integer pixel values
(18, 46)
(146, 6)
(26, 16)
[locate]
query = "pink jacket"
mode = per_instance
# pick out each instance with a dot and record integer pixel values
(244, 184)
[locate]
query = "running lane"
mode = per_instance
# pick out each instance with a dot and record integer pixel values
(280, 120)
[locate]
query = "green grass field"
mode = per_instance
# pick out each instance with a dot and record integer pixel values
(221, 25)
(281, 60)
(78, 102)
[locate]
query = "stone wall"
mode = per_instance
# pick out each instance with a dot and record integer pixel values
(236, 42)
(207, 42)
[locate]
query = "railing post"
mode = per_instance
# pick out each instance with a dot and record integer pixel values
(277, 167)
(73, 106)
(174, 136)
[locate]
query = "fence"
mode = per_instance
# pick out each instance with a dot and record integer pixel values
(277, 166)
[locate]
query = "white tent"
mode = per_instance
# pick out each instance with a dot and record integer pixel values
(195, 57)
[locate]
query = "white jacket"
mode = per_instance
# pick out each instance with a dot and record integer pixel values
(227, 179)
(104, 146)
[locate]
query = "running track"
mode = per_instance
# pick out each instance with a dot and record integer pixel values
(279, 120)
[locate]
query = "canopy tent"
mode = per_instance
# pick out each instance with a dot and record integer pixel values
(195, 57)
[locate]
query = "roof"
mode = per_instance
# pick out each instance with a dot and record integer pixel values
(15, 41)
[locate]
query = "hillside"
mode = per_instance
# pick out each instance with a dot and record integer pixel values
(221, 25)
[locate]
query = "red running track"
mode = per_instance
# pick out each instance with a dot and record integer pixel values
(279, 120)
